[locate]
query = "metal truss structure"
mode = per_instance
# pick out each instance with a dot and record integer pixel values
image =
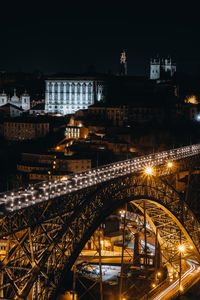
(44, 240)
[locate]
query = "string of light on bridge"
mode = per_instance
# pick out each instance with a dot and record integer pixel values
(48, 190)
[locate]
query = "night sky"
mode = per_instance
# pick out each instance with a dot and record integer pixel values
(64, 37)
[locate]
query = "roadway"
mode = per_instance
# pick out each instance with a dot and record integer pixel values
(173, 290)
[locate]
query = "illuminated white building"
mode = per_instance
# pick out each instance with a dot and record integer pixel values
(160, 68)
(22, 102)
(67, 95)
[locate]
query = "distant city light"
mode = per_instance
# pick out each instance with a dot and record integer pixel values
(191, 99)
(198, 117)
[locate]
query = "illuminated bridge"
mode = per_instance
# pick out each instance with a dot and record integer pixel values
(45, 227)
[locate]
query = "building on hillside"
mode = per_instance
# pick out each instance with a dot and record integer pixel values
(75, 129)
(43, 166)
(20, 129)
(66, 95)
(10, 110)
(22, 102)
(162, 68)
(37, 109)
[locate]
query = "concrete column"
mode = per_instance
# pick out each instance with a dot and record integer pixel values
(58, 92)
(81, 93)
(53, 91)
(64, 93)
(70, 92)
(86, 93)
(75, 94)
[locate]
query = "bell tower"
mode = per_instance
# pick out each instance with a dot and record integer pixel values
(123, 64)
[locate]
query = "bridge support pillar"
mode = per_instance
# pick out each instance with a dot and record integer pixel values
(136, 258)
(157, 253)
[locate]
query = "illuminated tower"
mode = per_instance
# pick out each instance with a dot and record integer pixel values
(162, 68)
(123, 64)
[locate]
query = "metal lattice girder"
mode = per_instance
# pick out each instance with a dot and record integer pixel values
(43, 241)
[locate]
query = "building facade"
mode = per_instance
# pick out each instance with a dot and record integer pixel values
(162, 68)
(17, 130)
(10, 110)
(22, 102)
(66, 96)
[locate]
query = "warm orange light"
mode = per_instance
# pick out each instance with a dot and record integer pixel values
(181, 248)
(181, 288)
(170, 164)
(159, 274)
(57, 148)
(191, 99)
(153, 285)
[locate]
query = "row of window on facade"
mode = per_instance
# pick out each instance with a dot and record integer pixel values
(24, 125)
(69, 107)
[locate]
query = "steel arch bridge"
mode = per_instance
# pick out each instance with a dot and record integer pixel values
(43, 240)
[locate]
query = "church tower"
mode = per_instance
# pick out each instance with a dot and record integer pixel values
(162, 68)
(25, 101)
(123, 64)
(3, 99)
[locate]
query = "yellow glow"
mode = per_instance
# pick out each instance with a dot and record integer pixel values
(191, 99)
(148, 170)
(169, 164)
(170, 280)
(181, 288)
(159, 274)
(153, 285)
(181, 248)
(191, 247)
(57, 148)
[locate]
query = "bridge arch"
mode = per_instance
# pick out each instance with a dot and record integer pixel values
(165, 210)
(68, 222)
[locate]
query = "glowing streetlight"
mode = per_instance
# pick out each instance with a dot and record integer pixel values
(181, 248)
(169, 164)
(148, 170)
(159, 274)
(181, 288)
(153, 285)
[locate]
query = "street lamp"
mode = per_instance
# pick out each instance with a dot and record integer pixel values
(181, 248)
(148, 170)
(169, 164)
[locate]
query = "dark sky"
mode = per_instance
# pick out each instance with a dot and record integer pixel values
(65, 36)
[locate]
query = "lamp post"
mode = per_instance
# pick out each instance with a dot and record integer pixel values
(181, 250)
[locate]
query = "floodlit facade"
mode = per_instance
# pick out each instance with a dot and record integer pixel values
(161, 68)
(22, 102)
(66, 96)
